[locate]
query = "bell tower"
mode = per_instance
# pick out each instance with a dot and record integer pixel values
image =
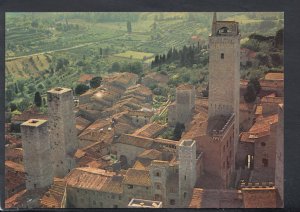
(224, 71)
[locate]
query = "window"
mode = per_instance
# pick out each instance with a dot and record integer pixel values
(94, 202)
(265, 162)
(157, 186)
(263, 144)
(222, 55)
(120, 197)
(184, 195)
(184, 177)
(101, 204)
(157, 174)
(113, 196)
(130, 186)
(156, 197)
(227, 143)
(224, 148)
(172, 201)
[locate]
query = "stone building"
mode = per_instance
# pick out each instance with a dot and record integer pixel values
(182, 110)
(279, 164)
(224, 72)
(187, 170)
(37, 154)
(168, 181)
(62, 126)
(217, 144)
(260, 144)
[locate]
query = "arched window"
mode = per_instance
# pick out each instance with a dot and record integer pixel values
(263, 144)
(157, 173)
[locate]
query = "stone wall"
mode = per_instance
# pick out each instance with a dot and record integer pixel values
(62, 129)
(37, 154)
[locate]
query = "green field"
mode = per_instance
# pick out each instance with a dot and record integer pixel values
(135, 55)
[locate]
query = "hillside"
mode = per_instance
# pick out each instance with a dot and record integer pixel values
(53, 49)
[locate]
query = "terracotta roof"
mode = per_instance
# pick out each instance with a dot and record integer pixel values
(113, 185)
(271, 83)
(274, 76)
(271, 99)
(54, 196)
(260, 129)
(136, 141)
(79, 153)
(150, 130)
(15, 166)
(137, 177)
(246, 107)
(160, 78)
(82, 123)
(140, 165)
(185, 87)
(13, 153)
(85, 77)
(258, 110)
(215, 198)
(259, 197)
(88, 178)
(139, 90)
(13, 200)
(151, 154)
(140, 113)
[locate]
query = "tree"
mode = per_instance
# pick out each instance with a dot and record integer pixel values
(81, 88)
(13, 107)
(256, 84)
(129, 29)
(9, 95)
(178, 130)
(250, 95)
(95, 82)
(37, 99)
(115, 67)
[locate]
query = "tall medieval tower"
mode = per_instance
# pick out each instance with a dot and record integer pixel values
(37, 154)
(62, 130)
(187, 170)
(224, 71)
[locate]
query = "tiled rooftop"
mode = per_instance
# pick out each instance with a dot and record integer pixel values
(137, 177)
(215, 198)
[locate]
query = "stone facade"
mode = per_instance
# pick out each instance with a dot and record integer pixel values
(224, 71)
(279, 170)
(218, 149)
(62, 130)
(187, 170)
(37, 154)
(182, 110)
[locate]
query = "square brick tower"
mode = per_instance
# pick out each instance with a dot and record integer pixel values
(187, 170)
(224, 72)
(37, 154)
(62, 130)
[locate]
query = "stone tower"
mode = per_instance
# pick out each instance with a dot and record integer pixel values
(187, 170)
(224, 71)
(185, 102)
(62, 130)
(37, 154)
